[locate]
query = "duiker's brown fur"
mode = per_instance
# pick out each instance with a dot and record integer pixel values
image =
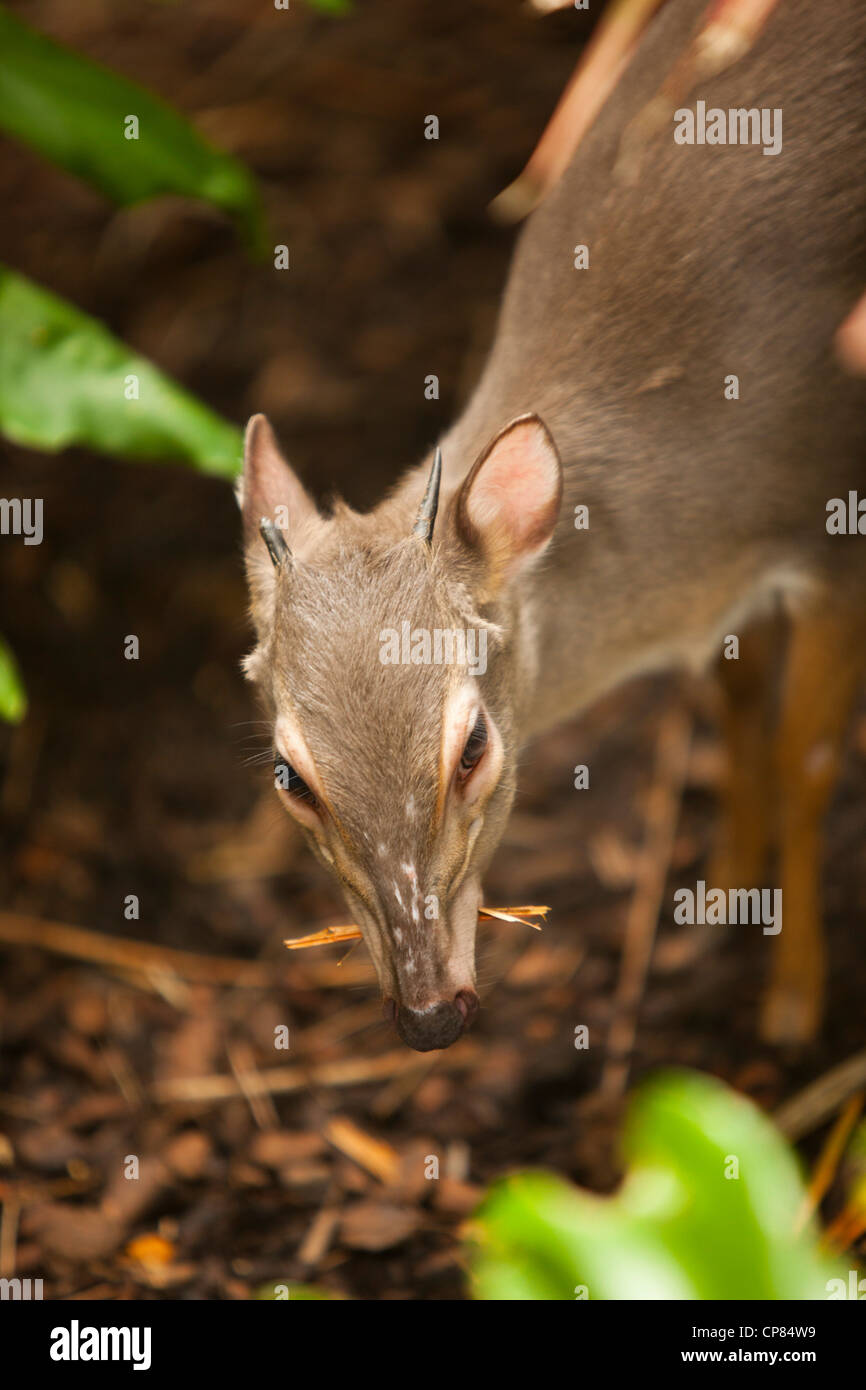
(704, 514)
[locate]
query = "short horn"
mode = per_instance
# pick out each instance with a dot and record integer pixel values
(430, 504)
(274, 540)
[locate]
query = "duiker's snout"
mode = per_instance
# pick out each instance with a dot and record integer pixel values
(438, 1026)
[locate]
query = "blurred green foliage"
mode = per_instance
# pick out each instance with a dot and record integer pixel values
(13, 701)
(75, 113)
(303, 1293)
(708, 1209)
(64, 379)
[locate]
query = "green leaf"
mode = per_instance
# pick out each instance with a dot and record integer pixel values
(74, 112)
(13, 700)
(306, 1293)
(331, 6)
(707, 1210)
(64, 379)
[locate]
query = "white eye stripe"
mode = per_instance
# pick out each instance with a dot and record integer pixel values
(293, 747)
(458, 719)
(292, 751)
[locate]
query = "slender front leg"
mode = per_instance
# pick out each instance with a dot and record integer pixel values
(749, 787)
(825, 661)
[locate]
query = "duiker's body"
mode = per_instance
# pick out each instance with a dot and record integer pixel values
(714, 262)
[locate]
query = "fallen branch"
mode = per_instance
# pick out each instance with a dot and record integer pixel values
(353, 1071)
(374, 1155)
(314, 1247)
(122, 953)
(820, 1100)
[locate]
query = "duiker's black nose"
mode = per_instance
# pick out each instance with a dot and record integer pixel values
(428, 1029)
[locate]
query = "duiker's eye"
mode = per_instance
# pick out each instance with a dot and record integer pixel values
(474, 750)
(287, 779)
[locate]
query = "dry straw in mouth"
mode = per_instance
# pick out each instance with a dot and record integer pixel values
(326, 936)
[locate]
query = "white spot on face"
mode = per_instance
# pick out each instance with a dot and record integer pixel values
(410, 808)
(412, 875)
(398, 895)
(398, 935)
(382, 851)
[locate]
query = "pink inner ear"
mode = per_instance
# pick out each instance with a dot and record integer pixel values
(516, 492)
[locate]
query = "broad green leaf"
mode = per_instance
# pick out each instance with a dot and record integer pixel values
(707, 1210)
(64, 379)
(13, 700)
(75, 113)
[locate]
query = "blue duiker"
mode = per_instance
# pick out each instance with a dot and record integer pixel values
(644, 470)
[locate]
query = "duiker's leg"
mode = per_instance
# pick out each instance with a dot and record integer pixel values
(749, 790)
(824, 664)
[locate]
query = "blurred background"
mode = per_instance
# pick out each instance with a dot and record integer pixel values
(150, 778)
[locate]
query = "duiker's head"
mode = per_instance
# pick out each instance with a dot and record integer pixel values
(386, 657)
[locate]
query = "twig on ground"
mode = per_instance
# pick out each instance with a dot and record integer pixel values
(352, 1071)
(400, 1088)
(9, 1213)
(822, 1098)
(16, 928)
(316, 1243)
(846, 1230)
(245, 1072)
(662, 814)
(374, 1155)
(337, 1027)
(830, 1158)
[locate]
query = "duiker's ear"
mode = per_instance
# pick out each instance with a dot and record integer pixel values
(270, 487)
(509, 503)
